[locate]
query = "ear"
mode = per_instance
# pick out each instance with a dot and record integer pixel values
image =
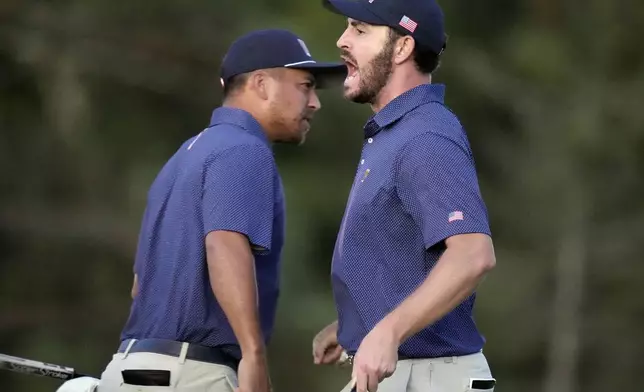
(404, 49)
(257, 82)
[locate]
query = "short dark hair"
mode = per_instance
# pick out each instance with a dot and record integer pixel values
(235, 83)
(426, 60)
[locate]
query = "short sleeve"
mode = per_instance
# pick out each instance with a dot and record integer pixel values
(238, 193)
(437, 183)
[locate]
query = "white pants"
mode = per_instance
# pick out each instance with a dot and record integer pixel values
(449, 374)
(185, 375)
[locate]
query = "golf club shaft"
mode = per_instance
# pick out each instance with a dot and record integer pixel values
(28, 366)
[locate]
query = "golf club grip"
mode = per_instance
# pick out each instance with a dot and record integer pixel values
(28, 366)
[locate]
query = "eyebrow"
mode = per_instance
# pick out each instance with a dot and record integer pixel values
(356, 23)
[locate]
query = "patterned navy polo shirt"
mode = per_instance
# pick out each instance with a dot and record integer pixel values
(225, 178)
(416, 185)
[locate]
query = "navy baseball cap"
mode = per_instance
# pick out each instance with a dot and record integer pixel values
(422, 19)
(277, 48)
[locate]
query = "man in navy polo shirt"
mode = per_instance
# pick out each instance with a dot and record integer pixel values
(414, 241)
(207, 264)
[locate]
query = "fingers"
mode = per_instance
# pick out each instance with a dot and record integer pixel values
(326, 352)
(317, 355)
(320, 354)
(323, 342)
(361, 382)
(388, 371)
(319, 347)
(366, 382)
(372, 381)
(368, 377)
(332, 355)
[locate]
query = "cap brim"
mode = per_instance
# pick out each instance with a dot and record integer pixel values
(354, 10)
(325, 74)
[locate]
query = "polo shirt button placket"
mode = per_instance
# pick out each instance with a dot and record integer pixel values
(369, 141)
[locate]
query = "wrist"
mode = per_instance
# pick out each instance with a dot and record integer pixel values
(395, 328)
(253, 350)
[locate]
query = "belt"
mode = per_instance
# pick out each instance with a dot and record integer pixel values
(172, 348)
(401, 357)
(351, 355)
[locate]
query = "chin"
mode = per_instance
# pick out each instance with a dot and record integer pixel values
(351, 93)
(358, 97)
(351, 88)
(355, 93)
(293, 139)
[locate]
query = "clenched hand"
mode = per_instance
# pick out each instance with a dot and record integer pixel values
(326, 349)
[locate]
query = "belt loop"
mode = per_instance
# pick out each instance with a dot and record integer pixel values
(184, 352)
(129, 347)
(453, 359)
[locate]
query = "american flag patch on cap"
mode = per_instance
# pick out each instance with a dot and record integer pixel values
(454, 216)
(408, 23)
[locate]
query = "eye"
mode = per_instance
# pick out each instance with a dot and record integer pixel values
(308, 85)
(359, 31)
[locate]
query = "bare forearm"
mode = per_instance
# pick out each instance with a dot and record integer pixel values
(231, 267)
(454, 278)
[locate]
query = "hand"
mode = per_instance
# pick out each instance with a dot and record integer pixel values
(253, 374)
(375, 359)
(326, 349)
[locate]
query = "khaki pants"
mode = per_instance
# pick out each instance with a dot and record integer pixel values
(449, 374)
(185, 375)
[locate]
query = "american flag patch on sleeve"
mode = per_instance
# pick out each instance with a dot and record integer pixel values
(454, 216)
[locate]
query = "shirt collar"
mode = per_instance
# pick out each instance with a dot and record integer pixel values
(239, 118)
(403, 104)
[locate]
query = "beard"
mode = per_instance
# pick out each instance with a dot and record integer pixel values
(373, 77)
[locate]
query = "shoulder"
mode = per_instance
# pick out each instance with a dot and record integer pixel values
(435, 137)
(229, 143)
(244, 156)
(434, 117)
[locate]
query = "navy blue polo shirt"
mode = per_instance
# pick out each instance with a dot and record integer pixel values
(416, 185)
(225, 178)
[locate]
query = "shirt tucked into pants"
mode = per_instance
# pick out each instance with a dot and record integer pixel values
(446, 374)
(185, 375)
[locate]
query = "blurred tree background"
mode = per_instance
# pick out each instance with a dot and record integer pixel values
(95, 95)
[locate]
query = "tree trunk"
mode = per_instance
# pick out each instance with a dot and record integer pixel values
(564, 348)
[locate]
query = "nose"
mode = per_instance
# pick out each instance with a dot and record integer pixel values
(342, 42)
(314, 101)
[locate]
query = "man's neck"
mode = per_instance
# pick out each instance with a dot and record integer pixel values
(397, 86)
(237, 103)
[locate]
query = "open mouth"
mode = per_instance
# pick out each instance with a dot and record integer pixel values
(352, 68)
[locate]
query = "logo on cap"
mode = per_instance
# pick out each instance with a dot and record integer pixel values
(408, 24)
(303, 45)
